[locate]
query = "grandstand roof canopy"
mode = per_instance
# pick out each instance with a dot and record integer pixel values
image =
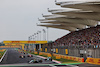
(93, 6)
(61, 27)
(84, 14)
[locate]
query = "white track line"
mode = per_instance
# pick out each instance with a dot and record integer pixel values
(3, 56)
(73, 65)
(52, 66)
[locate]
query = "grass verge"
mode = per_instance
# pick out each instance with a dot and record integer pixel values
(1, 53)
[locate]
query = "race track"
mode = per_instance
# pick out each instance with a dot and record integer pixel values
(12, 57)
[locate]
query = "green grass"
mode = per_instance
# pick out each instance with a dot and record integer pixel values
(44, 55)
(31, 53)
(63, 60)
(1, 53)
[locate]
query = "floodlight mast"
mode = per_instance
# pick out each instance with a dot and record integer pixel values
(47, 34)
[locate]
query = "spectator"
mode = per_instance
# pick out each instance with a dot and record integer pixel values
(89, 36)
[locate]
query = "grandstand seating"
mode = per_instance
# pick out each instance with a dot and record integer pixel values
(89, 36)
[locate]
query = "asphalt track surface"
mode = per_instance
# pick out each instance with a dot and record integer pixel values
(12, 57)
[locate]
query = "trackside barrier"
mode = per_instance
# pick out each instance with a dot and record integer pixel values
(2, 50)
(40, 53)
(43, 53)
(64, 57)
(58, 57)
(35, 52)
(70, 57)
(93, 60)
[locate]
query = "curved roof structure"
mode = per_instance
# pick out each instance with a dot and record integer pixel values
(81, 14)
(61, 27)
(79, 26)
(93, 6)
(73, 20)
(84, 14)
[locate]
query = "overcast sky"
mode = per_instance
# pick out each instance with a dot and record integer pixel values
(18, 19)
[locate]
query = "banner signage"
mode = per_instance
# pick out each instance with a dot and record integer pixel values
(25, 42)
(93, 60)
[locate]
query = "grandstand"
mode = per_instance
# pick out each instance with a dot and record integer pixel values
(82, 20)
(83, 40)
(89, 36)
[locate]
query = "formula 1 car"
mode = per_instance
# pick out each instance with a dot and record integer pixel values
(21, 56)
(35, 61)
(29, 55)
(48, 59)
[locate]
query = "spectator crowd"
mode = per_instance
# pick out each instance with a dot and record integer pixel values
(89, 36)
